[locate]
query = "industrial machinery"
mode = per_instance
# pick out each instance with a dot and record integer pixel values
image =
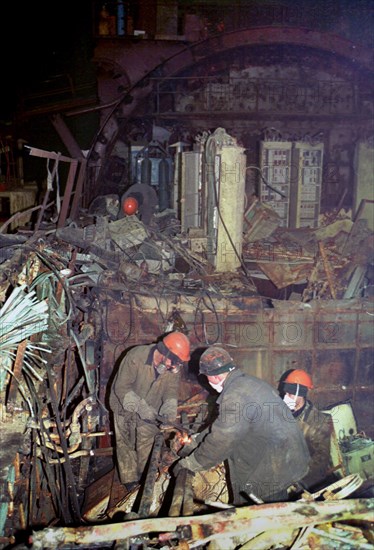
(151, 165)
(213, 197)
(292, 180)
(351, 451)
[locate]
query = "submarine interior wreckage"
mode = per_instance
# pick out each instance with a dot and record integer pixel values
(226, 193)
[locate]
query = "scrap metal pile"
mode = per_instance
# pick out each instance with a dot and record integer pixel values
(333, 261)
(52, 418)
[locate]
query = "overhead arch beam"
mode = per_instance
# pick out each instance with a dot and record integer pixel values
(263, 36)
(186, 57)
(267, 36)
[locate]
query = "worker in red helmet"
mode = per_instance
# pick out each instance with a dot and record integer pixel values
(147, 200)
(130, 206)
(253, 433)
(144, 394)
(315, 424)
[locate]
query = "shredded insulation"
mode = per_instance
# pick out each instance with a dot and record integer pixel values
(21, 317)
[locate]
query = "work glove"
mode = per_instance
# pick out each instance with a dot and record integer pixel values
(146, 412)
(189, 463)
(164, 420)
(131, 402)
(169, 409)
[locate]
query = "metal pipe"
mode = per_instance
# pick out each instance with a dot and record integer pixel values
(107, 451)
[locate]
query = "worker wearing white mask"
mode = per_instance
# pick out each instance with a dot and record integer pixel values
(295, 389)
(316, 425)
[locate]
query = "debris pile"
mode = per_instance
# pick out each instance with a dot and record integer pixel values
(333, 261)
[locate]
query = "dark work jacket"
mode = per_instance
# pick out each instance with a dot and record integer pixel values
(256, 432)
(317, 428)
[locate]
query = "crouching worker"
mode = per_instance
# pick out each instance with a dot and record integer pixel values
(254, 432)
(145, 389)
(316, 426)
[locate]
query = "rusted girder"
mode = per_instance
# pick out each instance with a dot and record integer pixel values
(176, 504)
(147, 496)
(188, 499)
(247, 520)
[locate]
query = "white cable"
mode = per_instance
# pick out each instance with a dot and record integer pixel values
(347, 485)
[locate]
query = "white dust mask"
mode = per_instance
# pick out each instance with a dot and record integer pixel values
(218, 387)
(290, 402)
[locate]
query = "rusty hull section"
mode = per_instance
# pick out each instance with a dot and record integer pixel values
(332, 340)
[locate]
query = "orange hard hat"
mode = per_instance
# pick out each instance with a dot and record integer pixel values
(178, 344)
(299, 376)
(130, 206)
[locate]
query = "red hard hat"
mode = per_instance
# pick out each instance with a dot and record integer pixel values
(299, 376)
(130, 206)
(179, 344)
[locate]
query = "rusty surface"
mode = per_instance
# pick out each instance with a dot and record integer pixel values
(178, 494)
(249, 520)
(17, 367)
(332, 340)
(328, 271)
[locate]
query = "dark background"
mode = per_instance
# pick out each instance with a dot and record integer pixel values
(41, 40)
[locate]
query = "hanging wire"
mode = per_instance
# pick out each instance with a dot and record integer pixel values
(106, 322)
(264, 180)
(213, 309)
(71, 484)
(89, 382)
(59, 505)
(56, 272)
(209, 155)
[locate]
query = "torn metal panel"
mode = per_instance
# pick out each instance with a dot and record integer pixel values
(260, 221)
(128, 232)
(286, 273)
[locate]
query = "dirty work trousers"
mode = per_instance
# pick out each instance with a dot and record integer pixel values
(134, 440)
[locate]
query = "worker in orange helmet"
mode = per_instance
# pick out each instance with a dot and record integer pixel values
(296, 386)
(144, 395)
(316, 426)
